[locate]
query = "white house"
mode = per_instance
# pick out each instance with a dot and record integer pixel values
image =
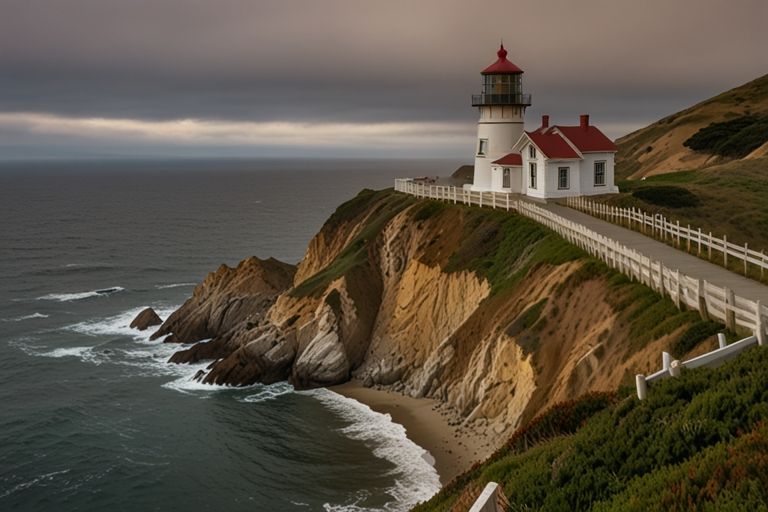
(547, 163)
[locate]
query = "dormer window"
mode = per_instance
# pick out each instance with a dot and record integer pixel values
(532, 151)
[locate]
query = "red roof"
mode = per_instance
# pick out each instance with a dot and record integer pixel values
(589, 140)
(552, 144)
(510, 159)
(501, 66)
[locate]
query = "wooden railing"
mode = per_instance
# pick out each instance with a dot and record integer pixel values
(711, 301)
(658, 226)
(711, 359)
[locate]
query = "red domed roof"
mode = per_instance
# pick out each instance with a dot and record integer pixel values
(501, 66)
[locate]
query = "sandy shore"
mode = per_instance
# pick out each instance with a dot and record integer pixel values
(454, 448)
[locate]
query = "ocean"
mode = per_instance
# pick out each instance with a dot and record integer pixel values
(91, 415)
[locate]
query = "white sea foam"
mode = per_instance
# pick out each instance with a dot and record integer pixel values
(186, 382)
(27, 317)
(177, 285)
(415, 479)
(119, 325)
(269, 393)
(63, 297)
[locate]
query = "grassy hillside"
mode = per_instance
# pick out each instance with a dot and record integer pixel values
(700, 442)
(659, 148)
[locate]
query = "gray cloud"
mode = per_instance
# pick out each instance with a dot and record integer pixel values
(626, 63)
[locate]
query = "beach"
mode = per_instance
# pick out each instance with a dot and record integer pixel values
(454, 448)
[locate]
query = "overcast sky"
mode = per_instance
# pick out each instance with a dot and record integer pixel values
(349, 78)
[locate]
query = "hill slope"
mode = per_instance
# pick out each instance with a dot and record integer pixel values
(658, 148)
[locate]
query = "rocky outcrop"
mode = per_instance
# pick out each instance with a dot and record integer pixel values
(228, 298)
(146, 319)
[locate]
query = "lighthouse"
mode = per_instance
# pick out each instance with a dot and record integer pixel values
(501, 109)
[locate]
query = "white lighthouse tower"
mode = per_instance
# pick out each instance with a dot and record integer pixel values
(502, 115)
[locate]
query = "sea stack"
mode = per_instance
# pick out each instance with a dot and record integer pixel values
(147, 318)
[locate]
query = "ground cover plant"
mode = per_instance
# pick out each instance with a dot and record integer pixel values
(698, 443)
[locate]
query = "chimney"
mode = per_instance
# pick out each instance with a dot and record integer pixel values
(544, 122)
(584, 122)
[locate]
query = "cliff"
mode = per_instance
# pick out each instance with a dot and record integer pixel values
(486, 311)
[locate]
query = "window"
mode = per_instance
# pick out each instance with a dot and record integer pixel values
(532, 180)
(482, 113)
(562, 177)
(599, 173)
(532, 151)
(505, 183)
(482, 147)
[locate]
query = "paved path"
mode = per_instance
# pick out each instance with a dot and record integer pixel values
(672, 258)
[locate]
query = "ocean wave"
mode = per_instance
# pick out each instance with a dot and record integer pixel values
(25, 485)
(415, 479)
(187, 384)
(149, 357)
(269, 393)
(63, 297)
(164, 286)
(120, 324)
(26, 317)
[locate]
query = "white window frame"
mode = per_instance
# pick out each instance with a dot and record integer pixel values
(506, 179)
(560, 185)
(482, 112)
(600, 164)
(532, 175)
(482, 147)
(531, 151)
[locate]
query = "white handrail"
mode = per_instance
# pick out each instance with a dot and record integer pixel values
(658, 225)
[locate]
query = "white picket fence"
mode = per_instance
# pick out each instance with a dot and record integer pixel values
(709, 360)
(711, 301)
(660, 227)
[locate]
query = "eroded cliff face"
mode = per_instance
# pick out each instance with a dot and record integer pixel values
(391, 292)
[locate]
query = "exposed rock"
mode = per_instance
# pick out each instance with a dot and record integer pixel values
(368, 382)
(147, 318)
(323, 363)
(228, 298)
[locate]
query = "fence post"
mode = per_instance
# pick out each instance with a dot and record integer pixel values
(746, 255)
(730, 314)
(699, 242)
(678, 234)
(666, 360)
(702, 301)
(677, 288)
(721, 341)
(709, 246)
(762, 260)
(642, 387)
(759, 327)
(689, 239)
(725, 251)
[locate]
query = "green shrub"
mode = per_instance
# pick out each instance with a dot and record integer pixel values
(735, 138)
(670, 196)
(695, 335)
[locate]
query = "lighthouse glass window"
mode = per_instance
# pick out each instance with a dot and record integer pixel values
(599, 173)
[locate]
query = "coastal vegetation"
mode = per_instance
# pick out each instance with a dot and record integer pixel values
(700, 442)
